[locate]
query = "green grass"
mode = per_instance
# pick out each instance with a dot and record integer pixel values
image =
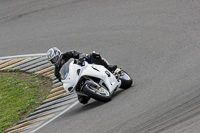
(20, 93)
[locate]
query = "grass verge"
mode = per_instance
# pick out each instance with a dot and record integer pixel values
(20, 94)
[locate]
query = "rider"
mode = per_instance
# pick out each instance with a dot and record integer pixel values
(57, 58)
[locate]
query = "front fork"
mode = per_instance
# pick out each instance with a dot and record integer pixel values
(117, 73)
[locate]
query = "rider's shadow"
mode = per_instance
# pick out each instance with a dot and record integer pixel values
(118, 92)
(91, 105)
(94, 104)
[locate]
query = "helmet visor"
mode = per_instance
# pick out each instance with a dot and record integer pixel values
(54, 60)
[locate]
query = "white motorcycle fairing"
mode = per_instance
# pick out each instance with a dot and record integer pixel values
(71, 73)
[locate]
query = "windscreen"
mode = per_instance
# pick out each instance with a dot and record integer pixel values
(64, 71)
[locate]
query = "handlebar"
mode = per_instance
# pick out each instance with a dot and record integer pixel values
(79, 61)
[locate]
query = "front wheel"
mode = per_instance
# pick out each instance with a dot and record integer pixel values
(96, 91)
(126, 80)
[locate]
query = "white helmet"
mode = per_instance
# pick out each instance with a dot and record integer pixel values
(54, 56)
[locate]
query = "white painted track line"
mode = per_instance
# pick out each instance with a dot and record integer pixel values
(19, 56)
(47, 122)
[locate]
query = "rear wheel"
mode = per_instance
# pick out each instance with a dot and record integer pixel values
(126, 80)
(96, 91)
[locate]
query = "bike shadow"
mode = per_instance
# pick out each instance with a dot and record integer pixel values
(91, 105)
(117, 93)
(95, 104)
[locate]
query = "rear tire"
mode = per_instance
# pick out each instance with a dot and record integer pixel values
(96, 91)
(126, 80)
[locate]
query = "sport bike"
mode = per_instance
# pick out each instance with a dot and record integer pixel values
(93, 81)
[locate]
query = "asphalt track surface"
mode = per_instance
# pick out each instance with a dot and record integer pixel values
(156, 41)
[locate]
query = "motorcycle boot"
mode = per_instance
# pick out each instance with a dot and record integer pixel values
(83, 99)
(96, 59)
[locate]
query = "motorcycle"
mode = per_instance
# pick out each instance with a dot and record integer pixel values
(92, 80)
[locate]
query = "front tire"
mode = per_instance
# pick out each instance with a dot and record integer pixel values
(96, 91)
(126, 80)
